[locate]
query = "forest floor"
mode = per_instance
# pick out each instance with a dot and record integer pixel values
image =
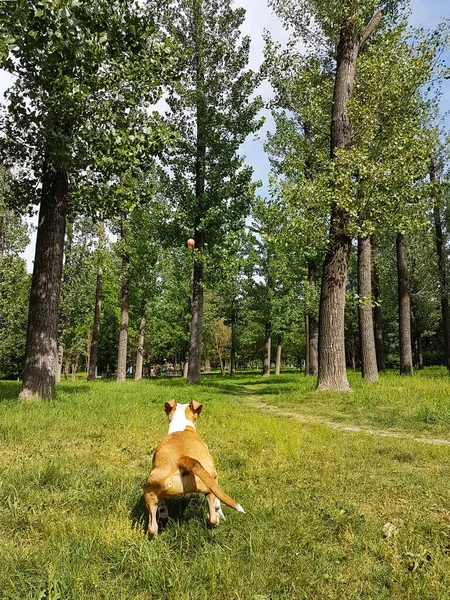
(343, 498)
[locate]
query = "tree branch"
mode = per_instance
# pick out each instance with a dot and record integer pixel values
(370, 27)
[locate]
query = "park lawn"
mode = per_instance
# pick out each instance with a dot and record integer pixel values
(330, 514)
(418, 404)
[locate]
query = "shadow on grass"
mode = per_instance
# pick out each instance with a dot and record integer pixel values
(9, 390)
(180, 509)
(75, 389)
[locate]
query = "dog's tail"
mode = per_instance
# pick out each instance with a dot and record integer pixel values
(193, 466)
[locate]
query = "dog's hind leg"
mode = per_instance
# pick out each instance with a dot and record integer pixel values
(151, 500)
(219, 510)
(214, 510)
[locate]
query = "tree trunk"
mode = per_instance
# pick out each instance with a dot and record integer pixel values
(98, 305)
(307, 348)
(443, 272)
(376, 292)
(419, 351)
(74, 369)
(125, 308)
(332, 374)
(369, 368)
(140, 350)
(267, 351)
(222, 368)
(312, 324)
(278, 360)
(41, 346)
(195, 343)
(404, 307)
(58, 364)
(232, 370)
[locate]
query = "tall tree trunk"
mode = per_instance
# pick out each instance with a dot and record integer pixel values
(58, 364)
(125, 307)
(404, 307)
(419, 350)
(88, 349)
(377, 320)
(195, 342)
(332, 374)
(3, 224)
(67, 366)
(312, 324)
(278, 359)
(443, 271)
(222, 368)
(232, 370)
(140, 350)
(366, 331)
(267, 351)
(307, 347)
(41, 346)
(98, 304)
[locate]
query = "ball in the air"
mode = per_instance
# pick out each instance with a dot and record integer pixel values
(190, 242)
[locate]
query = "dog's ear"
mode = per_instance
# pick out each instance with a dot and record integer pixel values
(169, 406)
(196, 407)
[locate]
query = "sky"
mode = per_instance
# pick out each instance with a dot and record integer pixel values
(259, 17)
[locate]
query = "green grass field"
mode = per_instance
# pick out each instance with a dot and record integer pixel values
(330, 514)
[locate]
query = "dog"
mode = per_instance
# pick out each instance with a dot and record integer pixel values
(182, 465)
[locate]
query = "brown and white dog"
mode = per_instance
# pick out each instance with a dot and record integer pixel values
(182, 465)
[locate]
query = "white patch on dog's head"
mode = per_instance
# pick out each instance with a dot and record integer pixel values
(182, 415)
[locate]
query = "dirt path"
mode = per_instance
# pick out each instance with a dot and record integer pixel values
(256, 403)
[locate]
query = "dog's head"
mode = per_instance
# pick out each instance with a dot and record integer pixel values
(182, 415)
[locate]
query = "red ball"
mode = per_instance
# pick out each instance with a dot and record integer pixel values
(190, 242)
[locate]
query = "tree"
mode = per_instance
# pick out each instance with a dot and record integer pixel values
(61, 53)
(214, 112)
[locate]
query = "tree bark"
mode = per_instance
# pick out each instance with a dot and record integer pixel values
(332, 374)
(232, 371)
(313, 329)
(42, 331)
(58, 364)
(125, 306)
(98, 305)
(195, 342)
(404, 307)
(419, 351)
(307, 349)
(376, 292)
(278, 359)
(267, 351)
(140, 350)
(369, 368)
(443, 271)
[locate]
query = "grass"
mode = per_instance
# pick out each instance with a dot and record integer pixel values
(330, 514)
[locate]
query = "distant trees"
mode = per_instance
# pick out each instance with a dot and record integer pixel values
(358, 193)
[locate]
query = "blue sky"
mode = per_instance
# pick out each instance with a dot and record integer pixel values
(259, 17)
